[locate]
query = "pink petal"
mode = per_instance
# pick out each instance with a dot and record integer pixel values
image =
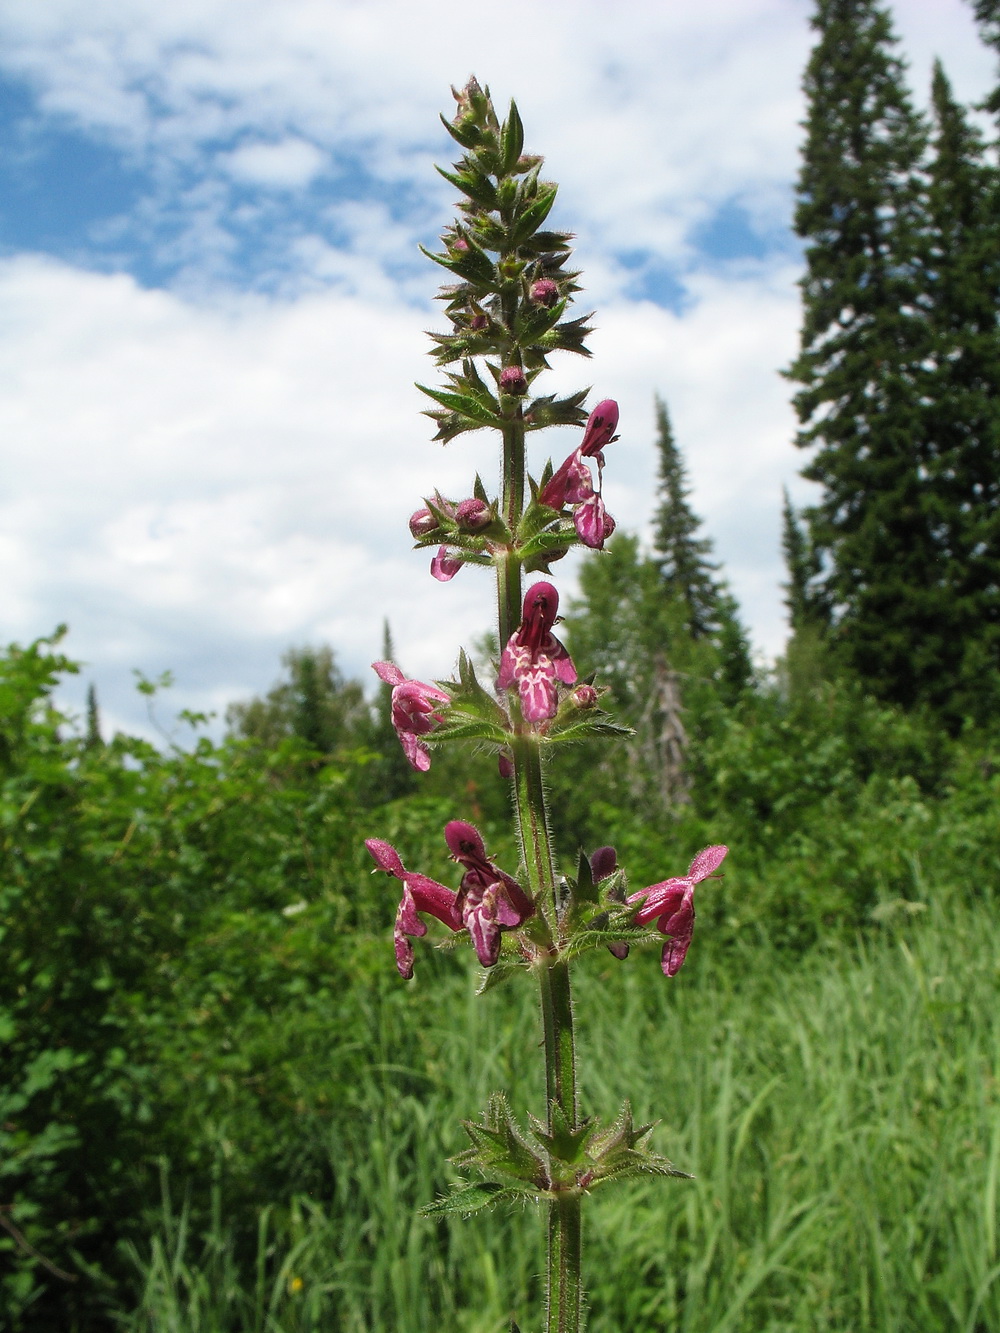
(601, 426)
(444, 567)
(512, 658)
(707, 860)
(485, 934)
(415, 750)
(407, 921)
(430, 896)
(675, 949)
(570, 482)
(389, 672)
(659, 899)
(464, 841)
(386, 857)
(563, 663)
(404, 954)
(590, 521)
(538, 693)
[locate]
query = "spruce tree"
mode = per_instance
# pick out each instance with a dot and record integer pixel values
(801, 599)
(93, 739)
(864, 341)
(683, 557)
(687, 571)
(960, 386)
(988, 14)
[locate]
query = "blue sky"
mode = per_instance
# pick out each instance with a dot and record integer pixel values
(212, 303)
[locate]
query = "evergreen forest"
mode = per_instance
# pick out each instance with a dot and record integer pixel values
(221, 1108)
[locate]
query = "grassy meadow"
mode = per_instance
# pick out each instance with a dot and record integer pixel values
(841, 1113)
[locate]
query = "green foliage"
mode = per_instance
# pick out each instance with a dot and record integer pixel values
(314, 703)
(117, 863)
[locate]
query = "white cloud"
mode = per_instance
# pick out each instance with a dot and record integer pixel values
(287, 165)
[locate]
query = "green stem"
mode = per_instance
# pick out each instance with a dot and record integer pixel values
(560, 1044)
(564, 1295)
(509, 571)
(564, 1307)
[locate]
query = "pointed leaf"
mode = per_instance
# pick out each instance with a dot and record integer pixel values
(464, 404)
(511, 140)
(470, 1198)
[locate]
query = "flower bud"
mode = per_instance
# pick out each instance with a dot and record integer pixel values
(422, 521)
(544, 292)
(473, 515)
(513, 381)
(478, 322)
(505, 763)
(585, 696)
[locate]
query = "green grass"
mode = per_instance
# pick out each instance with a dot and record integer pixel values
(841, 1113)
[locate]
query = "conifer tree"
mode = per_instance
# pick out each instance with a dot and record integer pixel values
(684, 558)
(804, 602)
(864, 340)
(93, 739)
(687, 571)
(960, 386)
(988, 14)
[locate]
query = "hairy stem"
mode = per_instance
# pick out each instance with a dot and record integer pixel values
(564, 1306)
(509, 570)
(564, 1288)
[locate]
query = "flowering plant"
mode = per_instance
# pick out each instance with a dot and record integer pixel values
(507, 301)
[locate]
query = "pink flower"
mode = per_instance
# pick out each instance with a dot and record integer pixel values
(420, 894)
(594, 525)
(671, 905)
(413, 712)
(570, 483)
(600, 429)
(445, 565)
(534, 658)
(489, 900)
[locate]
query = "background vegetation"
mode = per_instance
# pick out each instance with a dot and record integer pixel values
(219, 1107)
